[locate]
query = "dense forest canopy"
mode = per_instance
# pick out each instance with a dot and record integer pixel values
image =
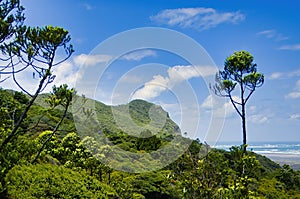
(65, 157)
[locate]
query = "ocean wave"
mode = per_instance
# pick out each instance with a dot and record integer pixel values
(279, 152)
(278, 148)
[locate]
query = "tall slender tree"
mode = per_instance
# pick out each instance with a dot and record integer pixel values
(240, 73)
(36, 48)
(28, 48)
(60, 96)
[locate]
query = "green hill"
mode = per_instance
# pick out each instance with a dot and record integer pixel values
(126, 137)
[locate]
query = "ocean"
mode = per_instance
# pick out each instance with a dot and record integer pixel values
(280, 152)
(280, 148)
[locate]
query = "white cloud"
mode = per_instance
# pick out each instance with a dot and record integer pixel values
(252, 109)
(221, 108)
(139, 55)
(267, 33)
(298, 84)
(153, 88)
(272, 34)
(199, 18)
(293, 95)
(87, 6)
(66, 73)
(290, 47)
(284, 75)
(91, 60)
(296, 93)
(294, 73)
(276, 75)
(258, 119)
(181, 73)
(25, 79)
(295, 117)
(207, 103)
(176, 75)
(131, 79)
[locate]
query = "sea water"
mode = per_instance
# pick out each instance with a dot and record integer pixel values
(292, 148)
(280, 152)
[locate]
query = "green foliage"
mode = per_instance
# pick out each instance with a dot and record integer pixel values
(147, 142)
(240, 73)
(43, 42)
(271, 189)
(33, 48)
(11, 17)
(145, 185)
(77, 169)
(289, 177)
(239, 62)
(61, 96)
(267, 164)
(48, 181)
(19, 151)
(11, 105)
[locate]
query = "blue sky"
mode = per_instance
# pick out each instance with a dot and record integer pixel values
(269, 30)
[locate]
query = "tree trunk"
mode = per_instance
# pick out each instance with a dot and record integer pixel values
(244, 127)
(52, 134)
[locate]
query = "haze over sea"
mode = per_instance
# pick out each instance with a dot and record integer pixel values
(280, 152)
(292, 148)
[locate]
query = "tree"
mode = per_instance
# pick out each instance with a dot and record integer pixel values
(11, 20)
(61, 96)
(239, 73)
(35, 48)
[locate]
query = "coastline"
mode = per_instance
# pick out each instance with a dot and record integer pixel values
(279, 152)
(284, 158)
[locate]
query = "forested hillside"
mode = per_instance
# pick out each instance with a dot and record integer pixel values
(65, 168)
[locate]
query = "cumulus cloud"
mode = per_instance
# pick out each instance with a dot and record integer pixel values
(91, 60)
(66, 73)
(284, 75)
(226, 109)
(198, 18)
(221, 108)
(295, 94)
(207, 103)
(181, 73)
(131, 79)
(276, 75)
(153, 88)
(139, 55)
(295, 117)
(252, 109)
(176, 75)
(258, 119)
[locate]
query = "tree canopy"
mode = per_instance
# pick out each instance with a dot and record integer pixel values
(240, 73)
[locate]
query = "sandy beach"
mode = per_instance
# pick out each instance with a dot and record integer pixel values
(285, 158)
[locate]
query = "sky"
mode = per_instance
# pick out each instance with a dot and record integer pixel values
(164, 75)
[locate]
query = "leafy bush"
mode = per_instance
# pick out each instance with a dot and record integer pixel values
(49, 181)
